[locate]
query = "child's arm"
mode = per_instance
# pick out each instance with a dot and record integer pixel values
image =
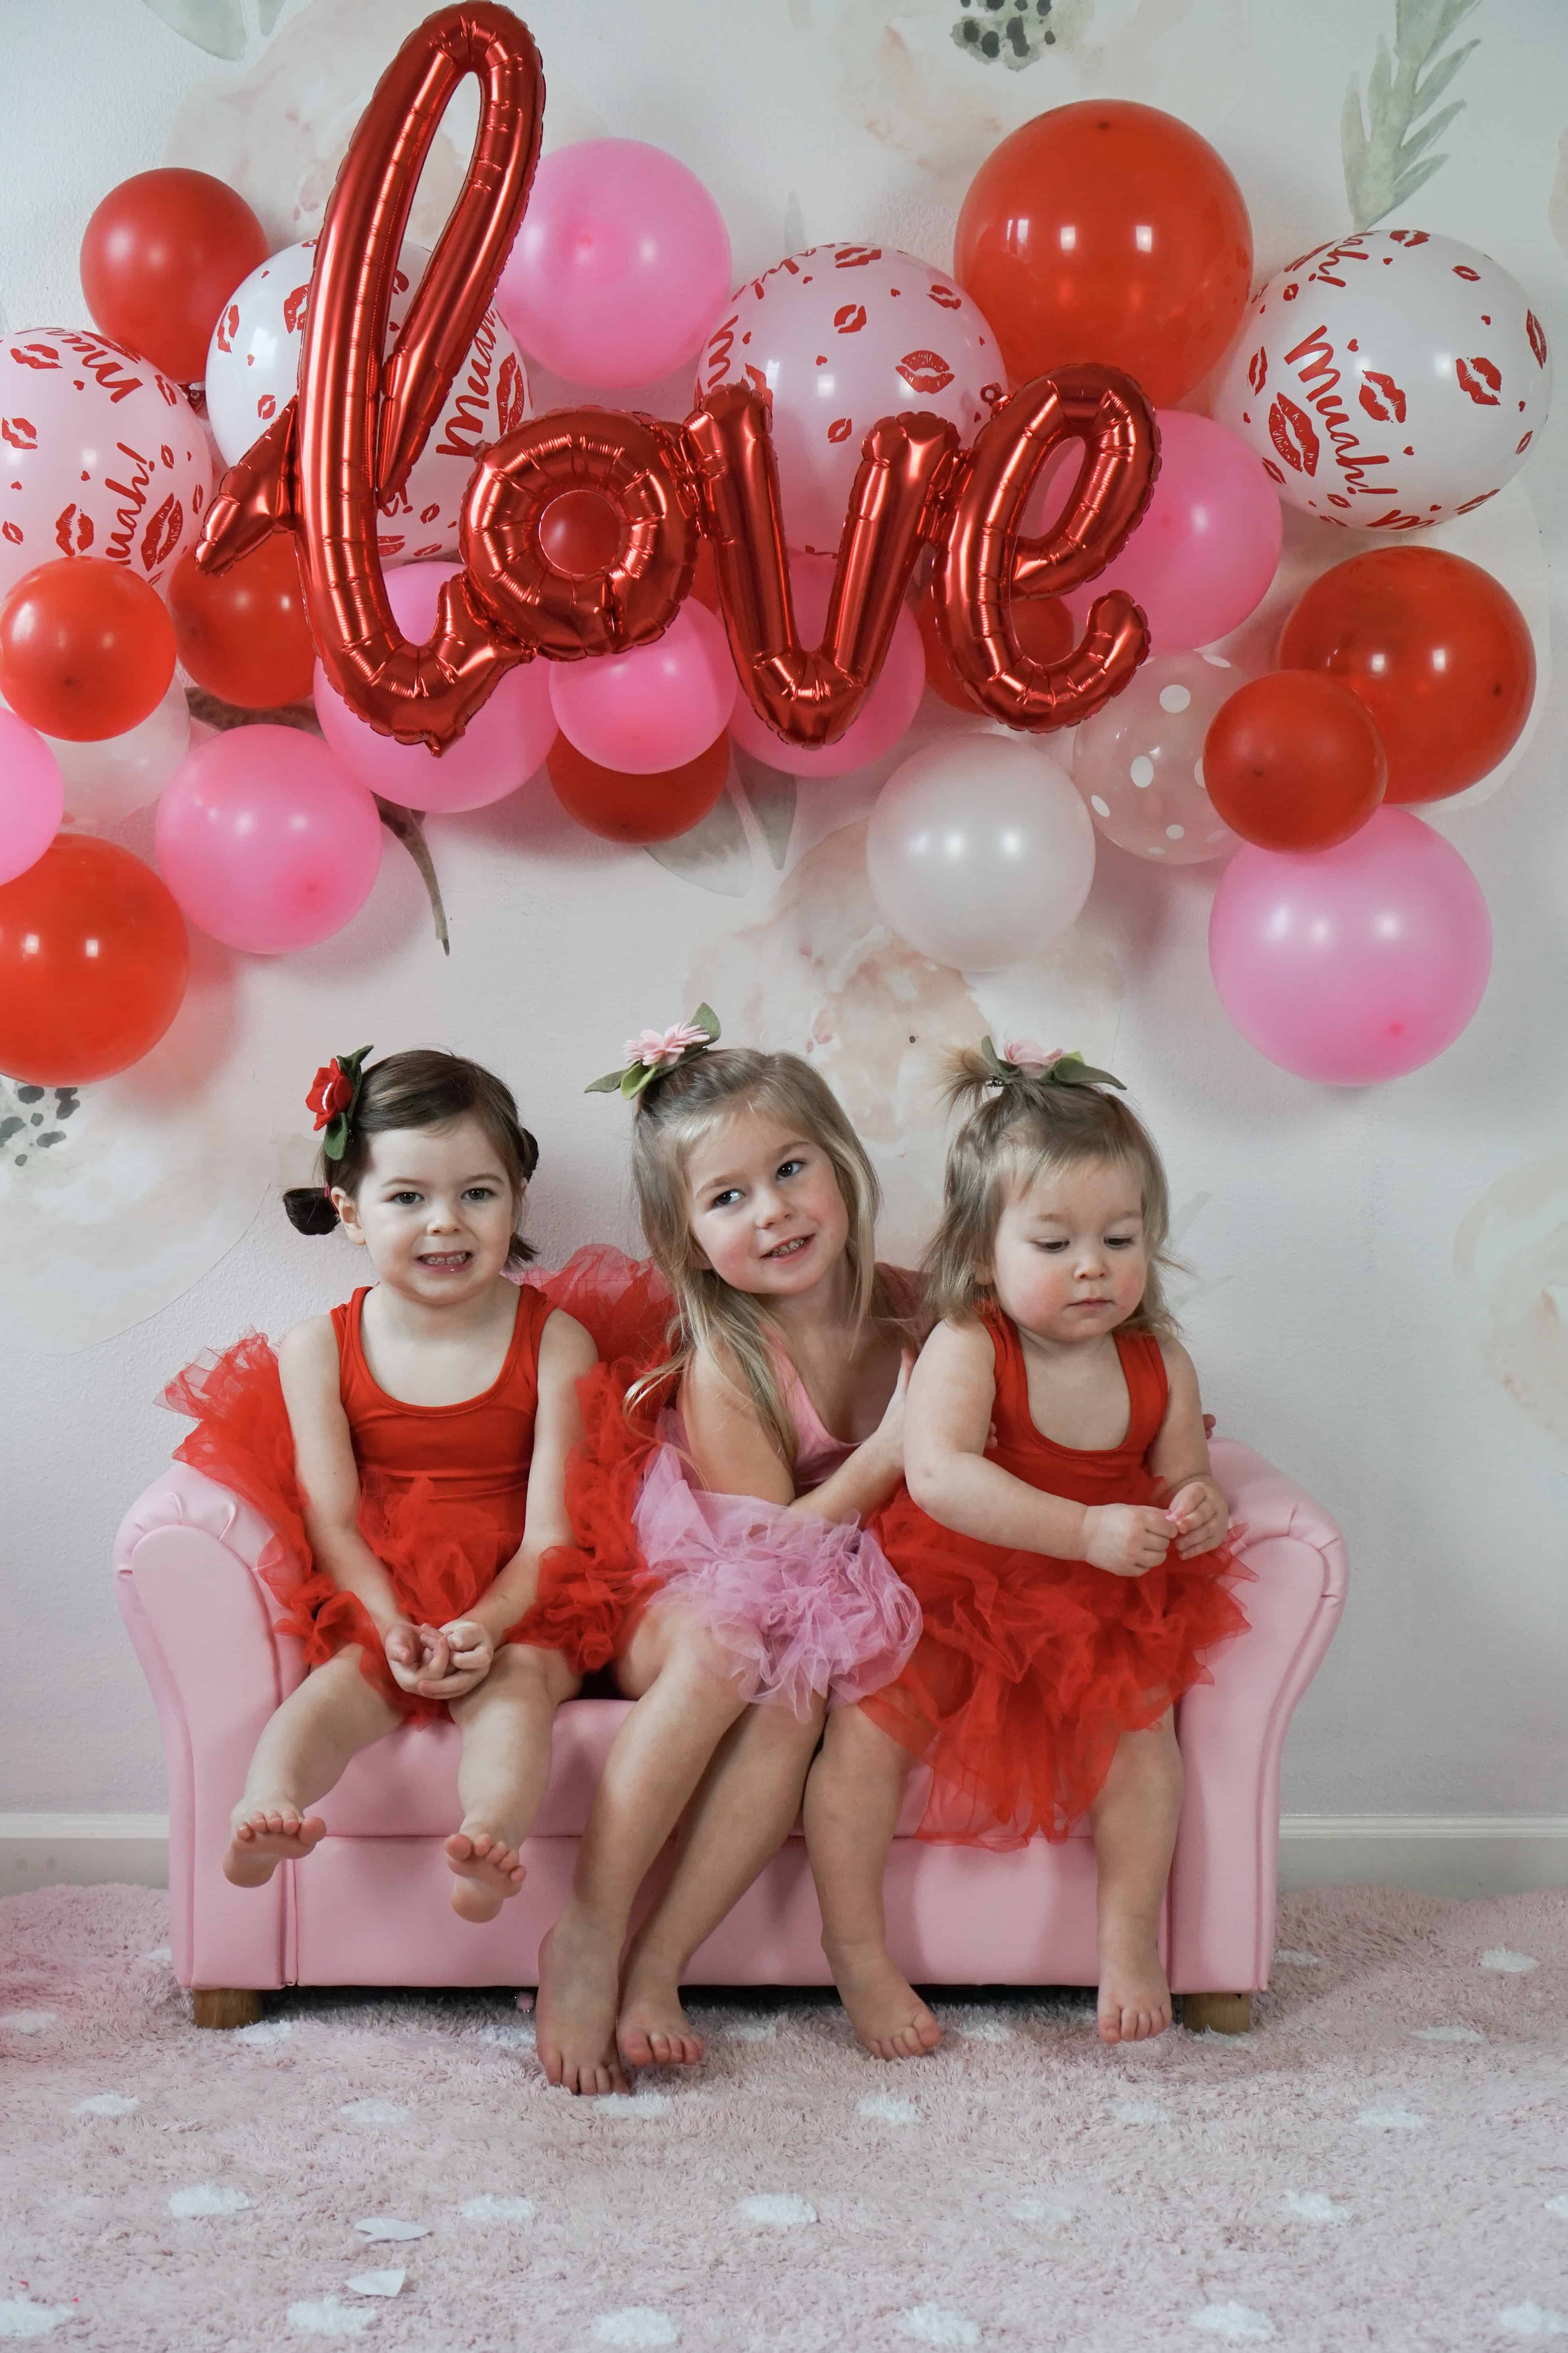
(735, 1456)
(328, 1474)
(565, 1353)
(1180, 1456)
(951, 1400)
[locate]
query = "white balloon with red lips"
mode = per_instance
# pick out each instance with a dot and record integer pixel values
(100, 455)
(841, 335)
(1389, 380)
(253, 370)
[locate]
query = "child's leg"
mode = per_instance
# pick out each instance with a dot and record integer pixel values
(852, 1800)
(741, 1814)
(687, 1701)
(303, 1748)
(1134, 1819)
(503, 1770)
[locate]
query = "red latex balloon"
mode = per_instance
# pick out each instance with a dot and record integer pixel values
(243, 634)
(1436, 650)
(1043, 628)
(94, 963)
(87, 649)
(638, 808)
(161, 257)
(1292, 761)
(1109, 235)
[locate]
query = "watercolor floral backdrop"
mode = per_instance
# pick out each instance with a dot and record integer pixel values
(1375, 1285)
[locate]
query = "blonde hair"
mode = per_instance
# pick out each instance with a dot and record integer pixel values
(1016, 1131)
(673, 1114)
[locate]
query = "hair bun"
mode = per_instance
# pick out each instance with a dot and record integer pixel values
(309, 1209)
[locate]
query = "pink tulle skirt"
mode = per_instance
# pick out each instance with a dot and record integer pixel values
(803, 1607)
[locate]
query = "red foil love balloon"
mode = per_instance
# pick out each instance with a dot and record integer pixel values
(354, 429)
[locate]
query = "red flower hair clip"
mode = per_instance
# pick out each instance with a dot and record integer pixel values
(334, 1090)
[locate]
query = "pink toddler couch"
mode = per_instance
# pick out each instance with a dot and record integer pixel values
(370, 1906)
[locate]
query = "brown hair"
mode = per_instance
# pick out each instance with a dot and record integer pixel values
(424, 1088)
(1016, 1132)
(673, 1114)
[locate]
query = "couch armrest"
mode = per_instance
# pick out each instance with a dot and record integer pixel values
(202, 1624)
(1223, 1878)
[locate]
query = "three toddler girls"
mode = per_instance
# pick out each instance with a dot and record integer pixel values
(732, 1539)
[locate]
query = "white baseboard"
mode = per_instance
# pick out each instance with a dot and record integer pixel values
(1436, 1854)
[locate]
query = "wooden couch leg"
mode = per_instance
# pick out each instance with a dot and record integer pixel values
(1218, 2013)
(227, 2006)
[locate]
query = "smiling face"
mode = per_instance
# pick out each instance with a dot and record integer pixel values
(436, 1210)
(765, 1210)
(1070, 1261)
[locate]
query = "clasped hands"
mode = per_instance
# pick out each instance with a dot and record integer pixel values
(1127, 1538)
(439, 1662)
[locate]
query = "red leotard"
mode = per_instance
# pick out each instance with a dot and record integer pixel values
(1029, 1668)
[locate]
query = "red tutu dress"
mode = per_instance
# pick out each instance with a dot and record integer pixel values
(1030, 1669)
(801, 1605)
(442, 1488)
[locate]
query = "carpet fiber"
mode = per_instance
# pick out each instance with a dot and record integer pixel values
(1383, 2162)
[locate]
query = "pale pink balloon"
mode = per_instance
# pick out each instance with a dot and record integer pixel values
(32, 796)
(654, 708)
(621, 262)
(1353, 964)
(1139, 762)
(266, 841)
(1208, 545)
(100, 455)
(500, 748)
(840, 336)
(887, 710)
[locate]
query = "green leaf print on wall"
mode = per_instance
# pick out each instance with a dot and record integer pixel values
(1385, 160)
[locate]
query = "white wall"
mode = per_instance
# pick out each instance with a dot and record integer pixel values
(1333, 1329)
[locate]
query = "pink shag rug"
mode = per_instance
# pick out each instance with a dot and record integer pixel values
(1382, 2163)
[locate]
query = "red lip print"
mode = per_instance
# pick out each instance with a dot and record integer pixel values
(945, 298)
(225, 328)
(19, 431)
(162, 535)
(1537, 334)
(1294, 435)
(1521, 446)
(854, 256)
(265, 405)
(511, 395)
(428, 514)
(925, 372)
(1409, 236)
(1258, 369)
(73, 531)
(36, 356)
(13, 531)
(1386, 401)
(841, 429)
(294, 306)
(1461, 270)
(850, 319)
(1478, 502)
(1481, 379)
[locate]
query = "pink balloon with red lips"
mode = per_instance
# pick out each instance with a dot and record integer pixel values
(841, 335)
(1389, 380)
(100, 455)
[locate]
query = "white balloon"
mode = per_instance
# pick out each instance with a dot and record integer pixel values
(111, 780)
(253, 369)
(1389, 380)
(979, 851)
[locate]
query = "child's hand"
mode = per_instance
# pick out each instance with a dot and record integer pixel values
(464, 1656)
(415, 1655)
(1125, 1539)
(1199, 1515)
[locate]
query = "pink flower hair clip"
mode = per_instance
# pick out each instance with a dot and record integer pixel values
(655, 1053)
(1021, 1062)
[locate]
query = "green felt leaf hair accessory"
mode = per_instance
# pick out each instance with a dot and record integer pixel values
(1021, 1059)
(334, 1091)
(657, 1053)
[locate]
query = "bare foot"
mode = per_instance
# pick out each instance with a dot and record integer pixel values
(884, 2008)
(264, 1836)
(1134, 1996)
(575, 2019)
(487, 1873)
(653, 2031)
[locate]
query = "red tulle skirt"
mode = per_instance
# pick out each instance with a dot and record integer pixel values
(1029, 1670)
(440, 1554)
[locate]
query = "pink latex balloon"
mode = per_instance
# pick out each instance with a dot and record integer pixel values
(622, 261)
(32, 796)
(501, 746)
(888, 709)
(654, 708)
(266, 841)
(1353, 964)
(1209, 546)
